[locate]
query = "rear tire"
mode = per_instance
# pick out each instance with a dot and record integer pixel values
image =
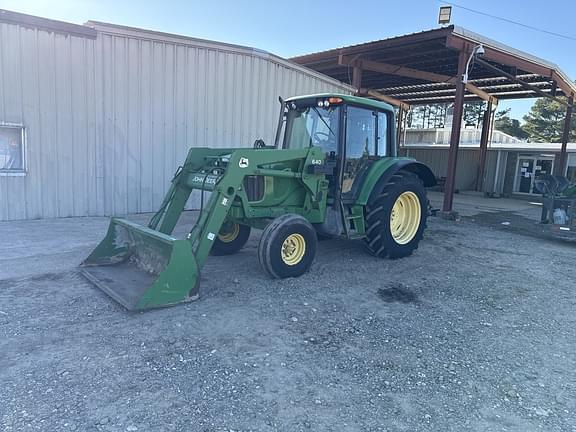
(287, 247)
(231, 238)
(396, 216)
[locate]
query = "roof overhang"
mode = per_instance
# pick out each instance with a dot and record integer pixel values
(421, 68)
(46, 24)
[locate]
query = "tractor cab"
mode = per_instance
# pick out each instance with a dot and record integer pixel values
(353, 132)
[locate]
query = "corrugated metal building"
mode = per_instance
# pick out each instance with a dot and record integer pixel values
(108, 112)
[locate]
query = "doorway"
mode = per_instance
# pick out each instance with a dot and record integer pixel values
(528, 169)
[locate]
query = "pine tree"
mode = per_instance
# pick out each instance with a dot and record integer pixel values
(545, 121)
(504, 123)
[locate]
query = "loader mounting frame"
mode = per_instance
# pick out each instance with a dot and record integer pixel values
(145, 267)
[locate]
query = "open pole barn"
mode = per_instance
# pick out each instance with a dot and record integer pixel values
(448, 65)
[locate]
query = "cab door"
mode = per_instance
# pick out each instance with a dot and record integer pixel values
(366, 140)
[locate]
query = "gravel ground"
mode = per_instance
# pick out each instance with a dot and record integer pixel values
(475, 332)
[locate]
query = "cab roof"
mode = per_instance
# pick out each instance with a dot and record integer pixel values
(356, 100)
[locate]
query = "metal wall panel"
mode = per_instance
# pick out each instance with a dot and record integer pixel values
(494, 172)
(109, 120)
(468, 165)
(46, 84)
(437, 160)
(163, 97)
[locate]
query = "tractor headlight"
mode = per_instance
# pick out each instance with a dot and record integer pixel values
(326, 103)
(320, 103)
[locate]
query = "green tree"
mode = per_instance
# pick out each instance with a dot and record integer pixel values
(427, 116)
(504, 123)
(474, 113)
(545, 121)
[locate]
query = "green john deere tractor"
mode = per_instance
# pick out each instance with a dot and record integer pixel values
(332, 172)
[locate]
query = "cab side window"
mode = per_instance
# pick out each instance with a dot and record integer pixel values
(360, 133)
(382, 138)
(360, 143)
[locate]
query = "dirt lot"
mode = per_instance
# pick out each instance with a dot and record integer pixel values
(475, 332)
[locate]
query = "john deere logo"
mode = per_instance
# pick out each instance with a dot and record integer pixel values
(243, 163)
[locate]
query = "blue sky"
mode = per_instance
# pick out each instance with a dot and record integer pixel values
(289, 28)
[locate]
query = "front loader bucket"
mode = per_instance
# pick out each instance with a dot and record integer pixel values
(141, 268)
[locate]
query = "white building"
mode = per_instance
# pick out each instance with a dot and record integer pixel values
(512, 165)
(95, 118)
(441, 136)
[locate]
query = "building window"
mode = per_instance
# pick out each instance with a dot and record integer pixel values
(571, 171)
(12, 150)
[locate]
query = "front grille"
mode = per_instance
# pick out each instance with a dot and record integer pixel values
(254, 187)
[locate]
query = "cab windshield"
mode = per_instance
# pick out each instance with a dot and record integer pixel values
(313, 126)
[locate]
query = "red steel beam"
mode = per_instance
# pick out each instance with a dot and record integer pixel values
(501, 57)
(403, 71)
(357, 77)
(455, 135)
(486, 125)
(388, 99)
(561, 166)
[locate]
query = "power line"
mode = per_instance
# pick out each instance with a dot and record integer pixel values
(510, 21)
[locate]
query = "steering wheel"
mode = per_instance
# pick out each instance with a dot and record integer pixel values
(317, 137)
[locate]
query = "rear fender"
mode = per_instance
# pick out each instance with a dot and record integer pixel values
(381, 171)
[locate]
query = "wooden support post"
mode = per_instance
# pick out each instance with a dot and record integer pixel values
(356, 77)
(486, 125)
(377, 95)
(561, 165)
(455, 135)
(400, 121)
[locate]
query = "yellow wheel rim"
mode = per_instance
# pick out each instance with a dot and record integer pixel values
(293, 249)
(229, 234)
(405, 217)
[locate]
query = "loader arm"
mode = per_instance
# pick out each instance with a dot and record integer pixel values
(227, 188)
(145, 267)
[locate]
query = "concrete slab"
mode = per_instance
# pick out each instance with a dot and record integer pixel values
(471, 204)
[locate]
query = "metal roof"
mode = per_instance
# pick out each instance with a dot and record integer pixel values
(434, 53)
(92, 29)
(50, 25)
(154, 35)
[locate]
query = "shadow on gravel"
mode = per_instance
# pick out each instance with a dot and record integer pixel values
(45, 277)
(49, 277)
(397, 294)
(512, 222)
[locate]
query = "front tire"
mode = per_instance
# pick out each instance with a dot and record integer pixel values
(396, 216)
(231, 238)
(287, 247)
